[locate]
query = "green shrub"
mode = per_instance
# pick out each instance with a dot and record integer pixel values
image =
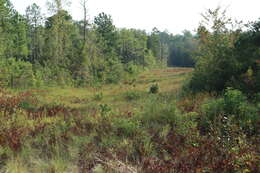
(104, 109)
(257, 97)
(51, 75)
(233, 107)
(133, 95)
(154, 89)
(113, 71)
(225, 57)
(210, 113)
(125, 127)
(233, 100)
(160, 113)
(131, 69)
(28, 105)
(16, 74)
(186, 122)
(98, 96)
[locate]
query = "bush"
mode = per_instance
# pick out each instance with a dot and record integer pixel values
(233, 107)
(104, 109)
(16, 74)
(52, 75)
(131, 69)
(133, 95)
(160, 113)
(98, 96)
(154, 89)
(114, 71)
(233, 100)
(211, 111)
(225, 57)
(125, 127)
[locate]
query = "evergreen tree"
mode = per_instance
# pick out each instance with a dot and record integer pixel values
(35, 32)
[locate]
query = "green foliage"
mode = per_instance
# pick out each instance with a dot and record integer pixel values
(133, 95)
(106, 32)
(131, 72)
(13, 39)
(226, 57)
(149, 60)
(233, 99)
(98, 96)
(40, 135)
(28, 105)
(186, 122)
(154, 89)
(53, 76)
(65, 52)
(211, 112)
(113, 71)
(182, 49)
(234, 107)
(247, 53)
(16, 74)
(58, 41)
(132, 47)
(215, 63)
(154, 42)
(104, 109)
(125, 127)
(36, 41)
(156, 113)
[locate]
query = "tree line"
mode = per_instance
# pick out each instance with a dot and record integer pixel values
(36, 50)
(227, 55)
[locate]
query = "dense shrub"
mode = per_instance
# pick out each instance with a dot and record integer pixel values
(133, 95)
(158, 113)
(154, 89)
(158, 138)
(113, 71)
(125, 127)
(131, 69)
(225, 57)
(16, 74)
(233, 107)
(104, 109)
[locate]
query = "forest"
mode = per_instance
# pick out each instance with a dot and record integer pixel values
(58, 50)
(88, 97)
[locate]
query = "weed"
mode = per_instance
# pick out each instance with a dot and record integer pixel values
(105, 109)
(154, 89)
(98, 96)
(133, 95)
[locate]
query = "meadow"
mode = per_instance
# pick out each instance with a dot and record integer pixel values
(86, 96)
(146, 125)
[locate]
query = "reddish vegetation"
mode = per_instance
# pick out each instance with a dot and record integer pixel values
(188, 153)
(11, 105)
(207, 154)
(192, 103)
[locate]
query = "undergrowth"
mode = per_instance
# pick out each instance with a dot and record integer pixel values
(197, 133)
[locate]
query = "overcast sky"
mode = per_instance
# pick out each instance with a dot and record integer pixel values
(173, 15)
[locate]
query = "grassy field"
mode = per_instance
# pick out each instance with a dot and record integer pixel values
(115, 128)
(115, 95)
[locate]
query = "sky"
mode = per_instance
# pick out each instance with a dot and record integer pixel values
(171, 15)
